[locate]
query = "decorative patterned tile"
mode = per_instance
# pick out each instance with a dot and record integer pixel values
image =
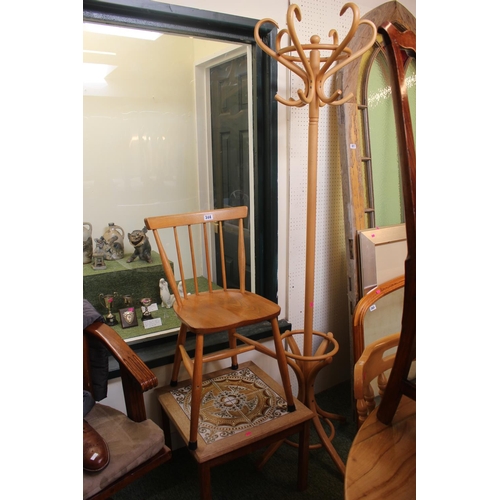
(232, 403)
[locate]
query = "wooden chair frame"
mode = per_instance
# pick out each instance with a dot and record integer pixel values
(136, 378)
(363, 307)
(373, 363)
(216, 310)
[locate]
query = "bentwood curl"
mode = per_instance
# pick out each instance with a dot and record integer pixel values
(315, 77)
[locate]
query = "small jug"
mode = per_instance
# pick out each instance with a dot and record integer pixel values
(114, 242)
(87, 242)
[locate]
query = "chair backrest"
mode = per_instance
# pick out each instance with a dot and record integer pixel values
(365, 305)
(377, 358)
(183, 227)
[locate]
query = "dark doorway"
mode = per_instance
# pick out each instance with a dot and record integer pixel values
(230, 157)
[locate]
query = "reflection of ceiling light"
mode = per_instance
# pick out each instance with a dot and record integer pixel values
(100, 52)
(96, 73)
(107, 29)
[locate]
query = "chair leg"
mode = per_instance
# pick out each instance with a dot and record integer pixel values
(232, 345)
(196, 387)
(303, 456)
(204, 477)
(181, 340)
(166, 428)
(282, 364)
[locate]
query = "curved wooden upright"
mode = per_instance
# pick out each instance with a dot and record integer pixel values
(403, 44)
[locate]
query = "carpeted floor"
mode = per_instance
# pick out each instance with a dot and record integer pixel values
(239, 479)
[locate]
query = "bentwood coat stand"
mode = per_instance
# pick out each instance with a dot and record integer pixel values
(315, 70)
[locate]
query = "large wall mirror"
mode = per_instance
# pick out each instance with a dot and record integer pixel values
(172, 123)
(384, 205)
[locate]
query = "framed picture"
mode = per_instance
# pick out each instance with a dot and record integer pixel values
(128, 317)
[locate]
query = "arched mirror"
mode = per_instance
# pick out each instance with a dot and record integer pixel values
(371, 161)
(384, 204)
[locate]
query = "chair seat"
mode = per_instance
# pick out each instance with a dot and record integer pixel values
(130, 444)
(224, 309)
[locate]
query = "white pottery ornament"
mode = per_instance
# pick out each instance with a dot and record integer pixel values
(181, 289)
(113, 235)
(167, 298)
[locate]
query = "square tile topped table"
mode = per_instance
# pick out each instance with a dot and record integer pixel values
(242, 411)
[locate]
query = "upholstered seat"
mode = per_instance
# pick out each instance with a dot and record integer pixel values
(136, 444)
(130, 444)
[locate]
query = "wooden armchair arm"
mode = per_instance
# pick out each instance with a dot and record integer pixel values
(363, 306)
(373, 362)
(136, 377)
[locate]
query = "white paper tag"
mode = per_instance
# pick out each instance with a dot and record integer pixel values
(151, 323)
(373, 307)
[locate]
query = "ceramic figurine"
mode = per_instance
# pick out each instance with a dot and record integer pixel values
(99, 254)
(114, 239)
(142, 247)
(167, 298)
(181, 289)
(87, 242)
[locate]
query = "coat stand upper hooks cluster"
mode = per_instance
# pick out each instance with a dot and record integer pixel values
(315, 63)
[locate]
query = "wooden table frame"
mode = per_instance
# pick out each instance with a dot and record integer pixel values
(243, 443)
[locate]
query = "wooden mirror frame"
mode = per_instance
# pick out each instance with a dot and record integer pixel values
(353, 186)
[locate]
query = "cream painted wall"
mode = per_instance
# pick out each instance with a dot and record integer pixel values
(276, 10)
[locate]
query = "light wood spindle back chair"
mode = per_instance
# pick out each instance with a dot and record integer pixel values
(218, 309)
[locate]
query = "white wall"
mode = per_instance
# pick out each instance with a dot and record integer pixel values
(139, 127)
(292, 192)
(277, 10)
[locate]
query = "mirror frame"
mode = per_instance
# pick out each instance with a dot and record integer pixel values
(162, 17)
(353, 186)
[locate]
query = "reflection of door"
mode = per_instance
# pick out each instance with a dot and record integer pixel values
(230, 155)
